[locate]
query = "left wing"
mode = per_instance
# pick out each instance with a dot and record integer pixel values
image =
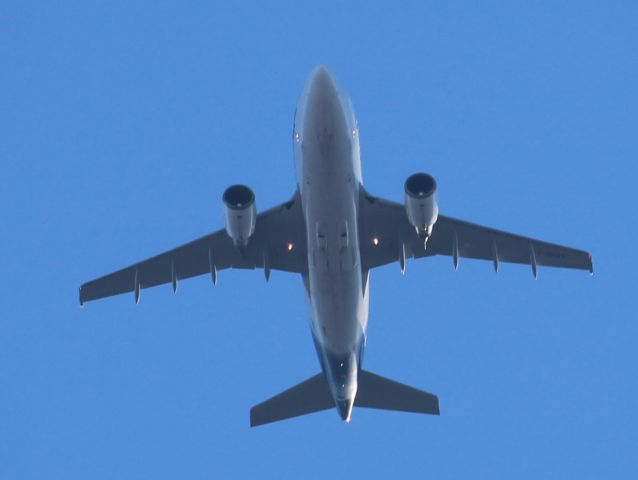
(278, 243)
(387, 236)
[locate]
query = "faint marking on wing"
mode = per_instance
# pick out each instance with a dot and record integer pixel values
(475, 241)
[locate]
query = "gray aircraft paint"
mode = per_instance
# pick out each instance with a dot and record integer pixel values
(332, 232)
(326, 147)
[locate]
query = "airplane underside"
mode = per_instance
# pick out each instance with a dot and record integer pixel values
(332, 232)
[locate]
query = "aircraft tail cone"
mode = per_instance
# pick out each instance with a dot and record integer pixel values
(345, 409)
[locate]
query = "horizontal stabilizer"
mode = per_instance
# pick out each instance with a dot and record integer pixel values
(307, 397)
(375, 391)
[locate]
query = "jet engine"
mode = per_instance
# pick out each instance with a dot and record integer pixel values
(240, 213)
(420, 203)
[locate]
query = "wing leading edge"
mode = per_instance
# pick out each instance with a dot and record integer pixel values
(387, 236)
(279, 243)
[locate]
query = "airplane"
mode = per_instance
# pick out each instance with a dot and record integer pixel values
(332, 232)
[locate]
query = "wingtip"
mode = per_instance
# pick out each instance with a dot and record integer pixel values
(80, 296)
(255, 421)
(591, 265)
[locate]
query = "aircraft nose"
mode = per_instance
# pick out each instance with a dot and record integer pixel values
(345, 408)
(323, 95)
(321, 82)
(325, 118)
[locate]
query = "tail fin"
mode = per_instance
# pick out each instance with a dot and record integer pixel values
(375, 391)
(307, 397)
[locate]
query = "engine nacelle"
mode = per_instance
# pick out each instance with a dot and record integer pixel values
(240, 213)
(420, 203)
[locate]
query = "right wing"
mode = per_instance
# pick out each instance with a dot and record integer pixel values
(278, 243)
(474, 241)
(386, 236)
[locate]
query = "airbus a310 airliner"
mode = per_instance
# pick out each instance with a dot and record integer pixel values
(332, 232)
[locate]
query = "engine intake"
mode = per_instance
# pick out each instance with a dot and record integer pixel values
(240, 213)
(420, 203)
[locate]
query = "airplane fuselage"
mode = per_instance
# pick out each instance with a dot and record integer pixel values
(316, 235)
(328, 168)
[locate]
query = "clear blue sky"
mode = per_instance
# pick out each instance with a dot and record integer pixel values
(121, 123)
